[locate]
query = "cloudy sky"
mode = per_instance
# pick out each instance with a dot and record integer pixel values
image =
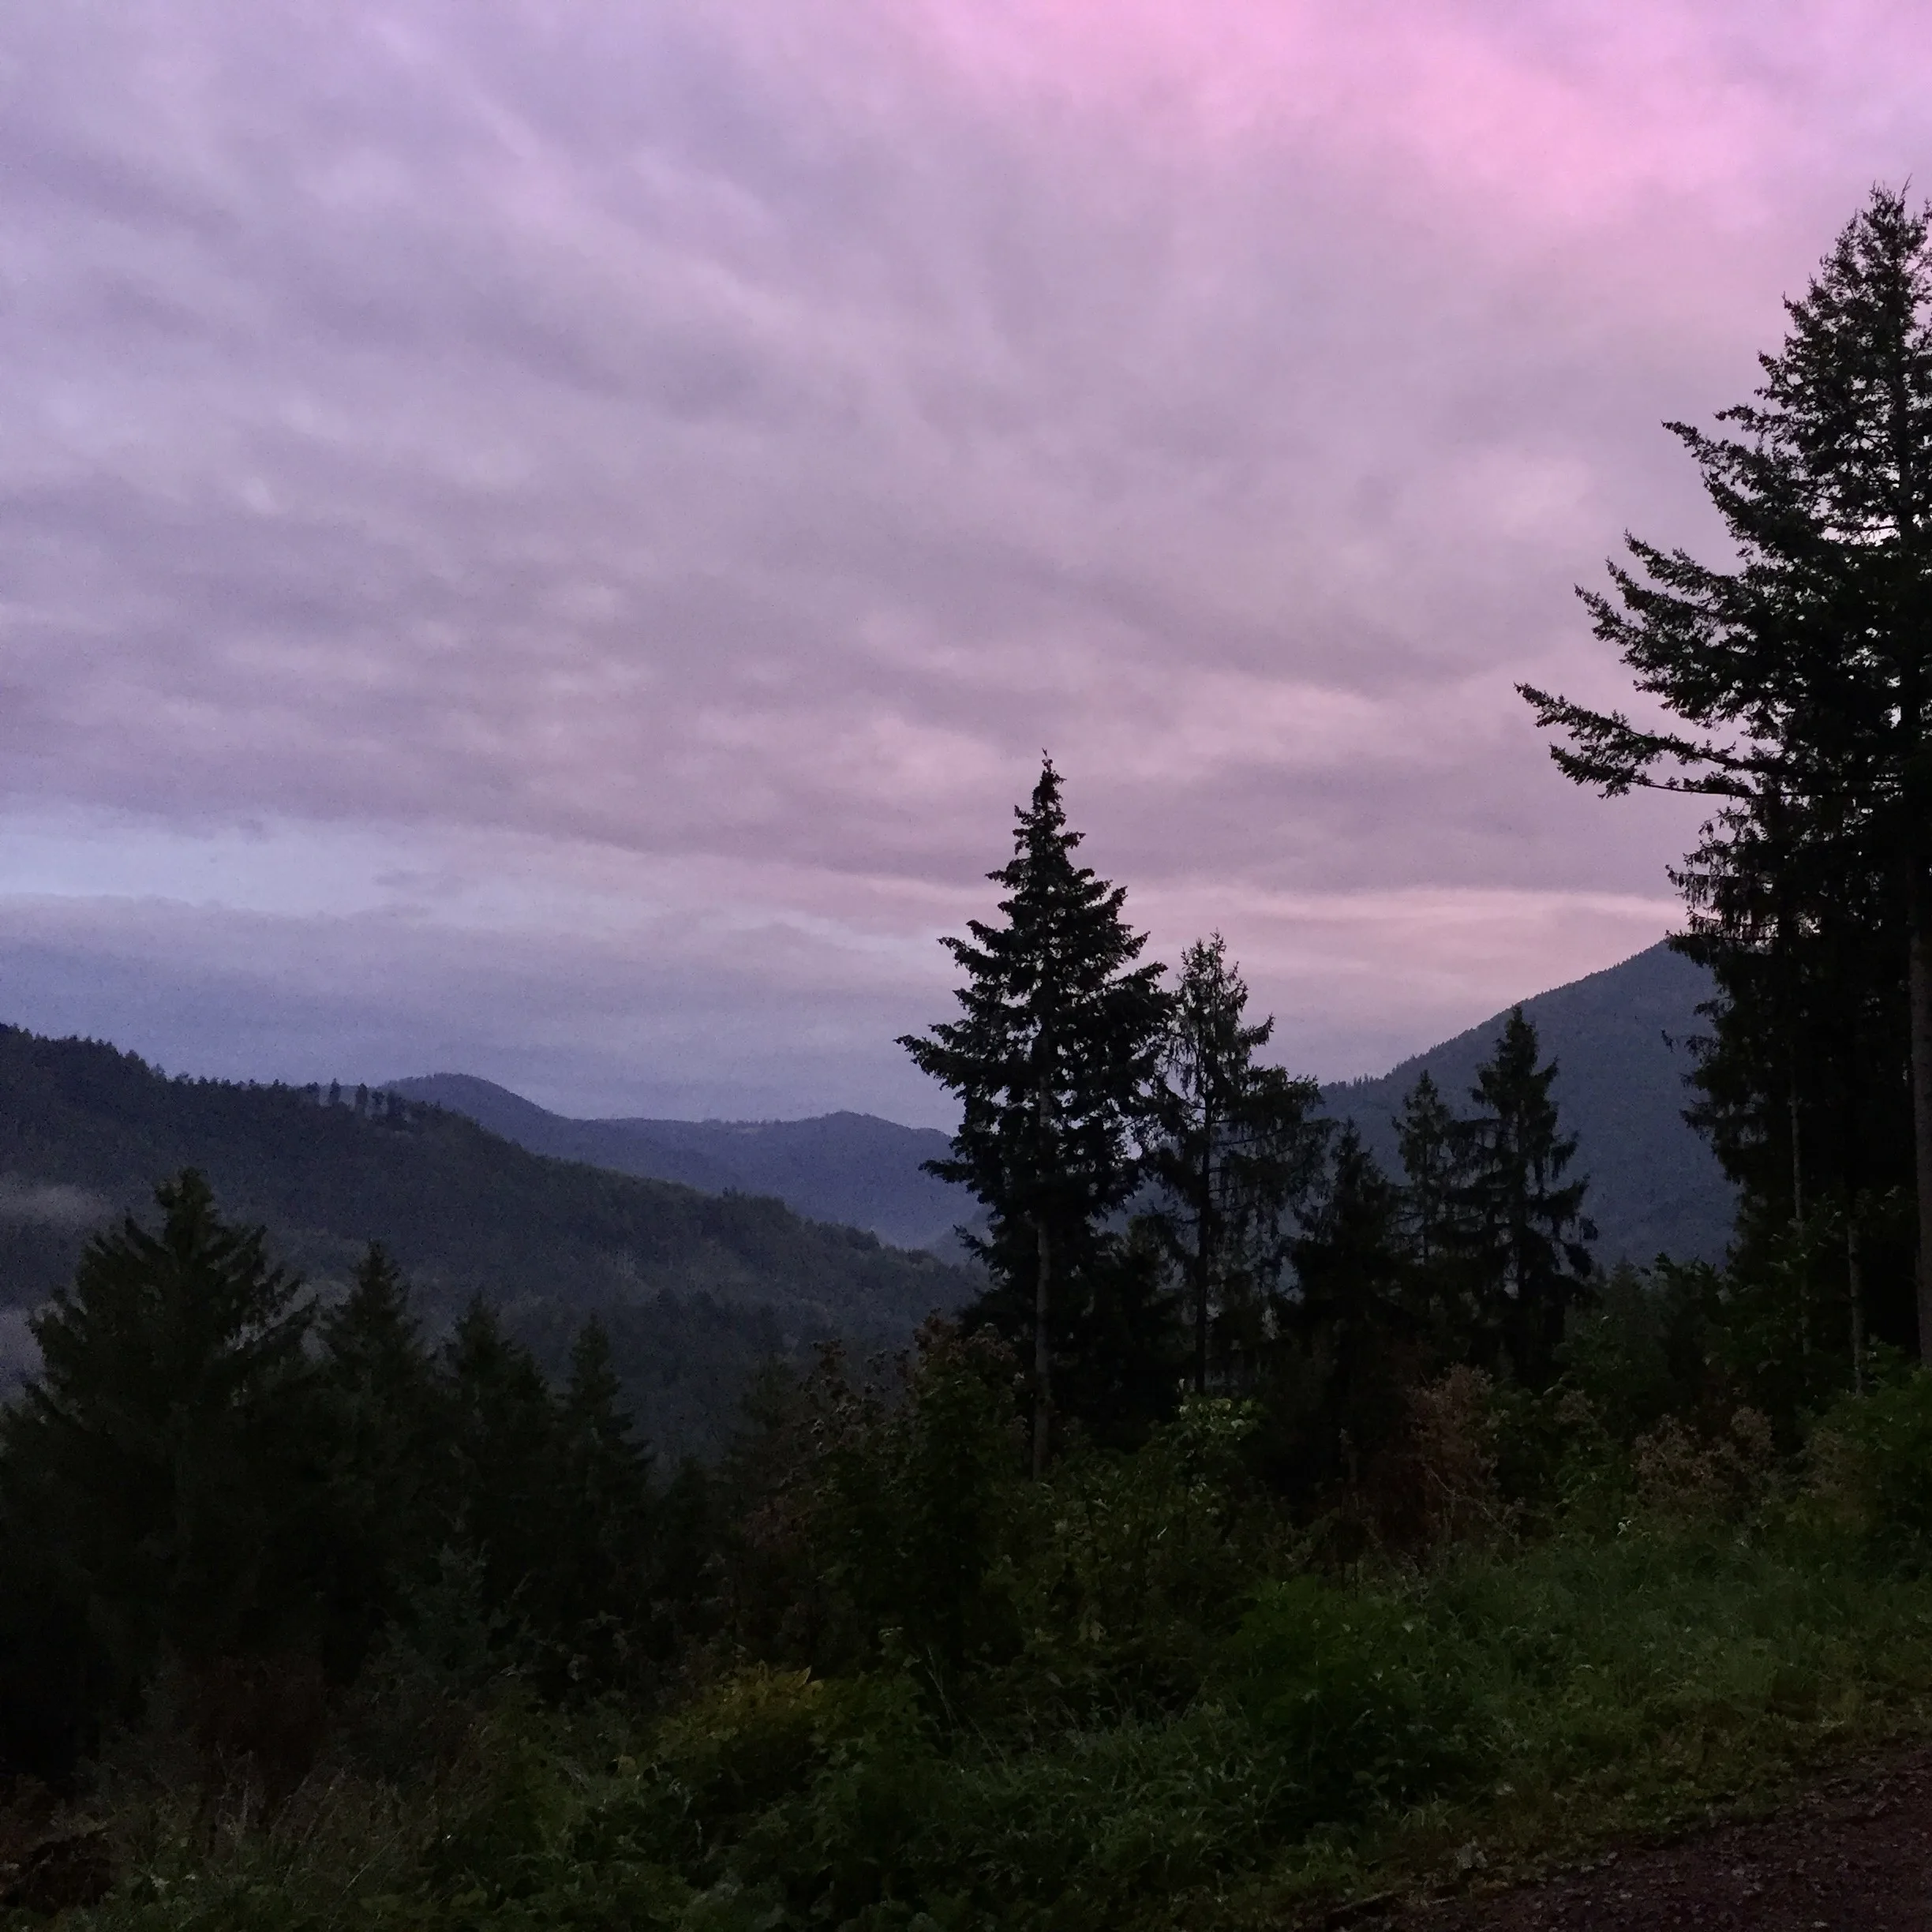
(547, 539)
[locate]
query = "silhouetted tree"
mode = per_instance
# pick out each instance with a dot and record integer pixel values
(1053, 1061)
(1350, 1276)
(1529, 1220)
(505, 1447)
(1803, 678)
(389, 1447)
(1234, 1151)
(167, 1459)
(1436, 1148)
(595, 1594)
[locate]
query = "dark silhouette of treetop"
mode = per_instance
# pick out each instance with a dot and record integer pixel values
(1053, 1057)
(1800, 683)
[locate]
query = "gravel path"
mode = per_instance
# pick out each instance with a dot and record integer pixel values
(1855, 1854)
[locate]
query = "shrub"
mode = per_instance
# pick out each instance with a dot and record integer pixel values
(1355, 1694)
(1684, 1477)
(1136, 1564)
(1871, 1468)
(1439, 1485)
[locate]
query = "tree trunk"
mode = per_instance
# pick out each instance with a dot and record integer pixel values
(1043, 1351)
(1855, 1284)
(1204, 1267)
(1920, 981)
(1201, 1329)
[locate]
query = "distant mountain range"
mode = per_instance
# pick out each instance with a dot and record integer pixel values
(1619, 1037)
(696, 1288)
(853, 1169)
(708, 1246)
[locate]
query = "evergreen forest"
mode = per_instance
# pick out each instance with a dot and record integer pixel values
(1271, 1530)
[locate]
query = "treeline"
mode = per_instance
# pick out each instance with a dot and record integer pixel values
(694, 1288)
(210, 1472)
(1167, 1211)
(320, 1624)
(213, 1470)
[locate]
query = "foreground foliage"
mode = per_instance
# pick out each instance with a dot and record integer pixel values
(1134, 1694)
(1341, 1732)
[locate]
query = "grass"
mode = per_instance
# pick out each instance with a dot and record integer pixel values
(1529, 1703)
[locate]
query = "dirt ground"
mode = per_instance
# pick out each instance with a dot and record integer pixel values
(1856, 1852)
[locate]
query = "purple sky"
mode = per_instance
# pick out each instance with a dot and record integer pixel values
(547, 540)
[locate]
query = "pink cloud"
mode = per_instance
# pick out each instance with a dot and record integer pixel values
(729, 443)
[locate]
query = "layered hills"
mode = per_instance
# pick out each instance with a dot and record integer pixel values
(705, 1247)
(695, 1287)
(852, 1168)
(1619, 1038)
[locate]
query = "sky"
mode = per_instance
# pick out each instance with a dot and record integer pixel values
(548, 541)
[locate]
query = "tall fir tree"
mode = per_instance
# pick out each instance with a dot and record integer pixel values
(166, 1458)
(1235, 1148)
(505, 1457)
(1534, 1252)
(1436, 1146)
(595, 1594)
(1053, 1060)
(388, 1442)
(1803, 680)
(1349, 1309)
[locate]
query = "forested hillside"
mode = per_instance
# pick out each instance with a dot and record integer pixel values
(1620, 1038)
(694, 1288)
(853, 1169)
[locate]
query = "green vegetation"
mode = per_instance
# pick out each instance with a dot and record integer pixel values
(916, 1688)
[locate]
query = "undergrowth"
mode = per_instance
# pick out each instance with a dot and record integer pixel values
(1345, 1734)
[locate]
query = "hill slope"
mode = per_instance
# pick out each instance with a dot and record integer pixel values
(1654, 1185)
(855, 1169)
(696, 1287)
(1617, 1037)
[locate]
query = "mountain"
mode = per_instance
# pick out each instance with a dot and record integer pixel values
(853, 1169)
(1619, 1039)
(695, 1287)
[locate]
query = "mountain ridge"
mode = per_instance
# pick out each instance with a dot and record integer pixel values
(1618, 1036)
(855, 1169)
(695, 1288)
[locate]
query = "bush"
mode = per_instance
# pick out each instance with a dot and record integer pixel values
(1358, 1699)
(1871, 1468)
(1136, 1565)
(1685, 1477)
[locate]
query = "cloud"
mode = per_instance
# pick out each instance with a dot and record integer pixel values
(509, 449)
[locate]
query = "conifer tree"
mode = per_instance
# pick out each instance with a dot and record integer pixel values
(1351, 1277)
(595, 1593)
(1053, 1060)
(166, 1458)
(504, 1439)
(373, 1345)
(1436, 1148)
(1803, 680)
(389, 1440)
(1234, 1150)
(1530, 1221)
